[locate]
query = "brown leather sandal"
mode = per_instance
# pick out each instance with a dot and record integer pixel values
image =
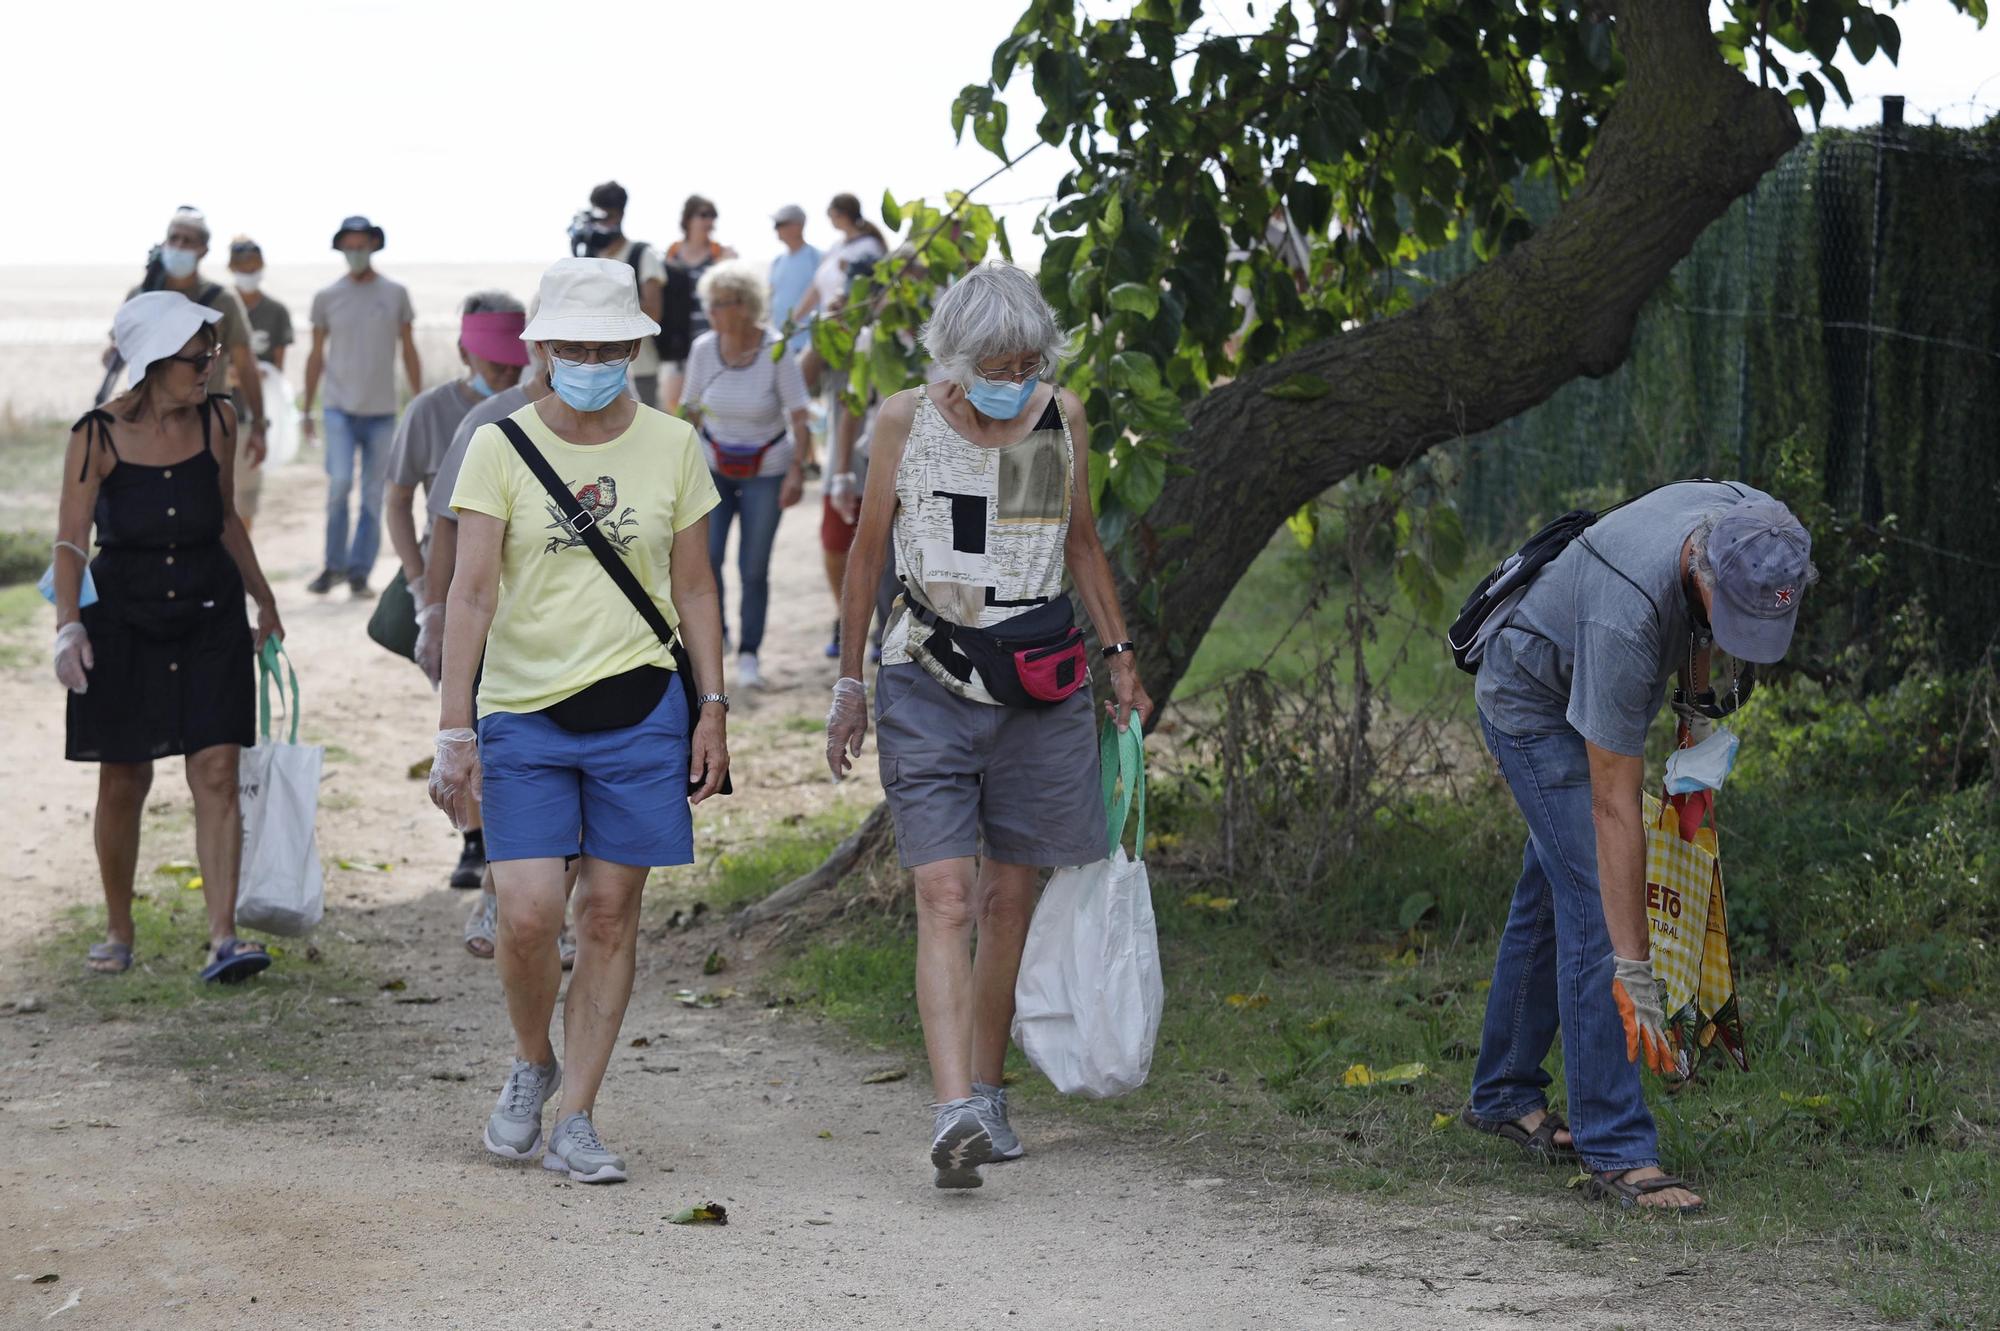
(1615, 1188)
(1541, 1144)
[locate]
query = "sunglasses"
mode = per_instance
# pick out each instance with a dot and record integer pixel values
(709, 213)
(200, 360)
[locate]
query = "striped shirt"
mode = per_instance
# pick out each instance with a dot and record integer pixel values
(747, 406)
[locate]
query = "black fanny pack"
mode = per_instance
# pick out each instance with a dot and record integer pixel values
(1032, 660)
(612, 704)
(624, 699)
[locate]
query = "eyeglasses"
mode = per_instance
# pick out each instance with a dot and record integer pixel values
(1004, 375)
(574, 354)
(200, 360)
(709, 213)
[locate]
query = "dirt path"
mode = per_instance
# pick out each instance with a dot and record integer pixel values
(353, 1192)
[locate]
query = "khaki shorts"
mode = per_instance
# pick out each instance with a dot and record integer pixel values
(1016, 784)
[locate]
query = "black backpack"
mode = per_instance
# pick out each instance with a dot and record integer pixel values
(676, 306)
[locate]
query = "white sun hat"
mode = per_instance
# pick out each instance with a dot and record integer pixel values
(154, 325)
(588, 300)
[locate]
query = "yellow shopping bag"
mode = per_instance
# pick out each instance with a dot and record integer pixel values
(1689, 926)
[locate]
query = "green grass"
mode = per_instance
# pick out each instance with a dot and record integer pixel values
(31, 456)
(745, 873)
(258, 1043)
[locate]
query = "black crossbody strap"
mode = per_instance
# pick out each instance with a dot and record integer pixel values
(580, 524)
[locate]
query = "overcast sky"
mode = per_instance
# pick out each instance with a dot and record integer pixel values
(471, 131)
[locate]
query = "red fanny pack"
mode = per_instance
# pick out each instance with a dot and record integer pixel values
(1032, 660)
(739, 462)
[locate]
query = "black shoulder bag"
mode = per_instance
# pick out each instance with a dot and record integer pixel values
(627, 699)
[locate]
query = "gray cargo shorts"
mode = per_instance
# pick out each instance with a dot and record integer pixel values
(1016, 784)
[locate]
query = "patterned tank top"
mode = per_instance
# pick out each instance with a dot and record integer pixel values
(980, 531)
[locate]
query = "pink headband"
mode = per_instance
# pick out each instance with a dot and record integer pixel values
(495, 336)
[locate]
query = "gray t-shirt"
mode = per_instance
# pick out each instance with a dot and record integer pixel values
(270, 326)
(498, 407)
(425, 432)
(1585, 650)
(364, 325)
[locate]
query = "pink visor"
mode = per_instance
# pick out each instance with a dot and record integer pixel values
(495, 337)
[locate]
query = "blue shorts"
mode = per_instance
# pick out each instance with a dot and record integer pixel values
(619, 795)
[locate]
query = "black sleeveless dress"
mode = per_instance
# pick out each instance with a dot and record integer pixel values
(174, 667)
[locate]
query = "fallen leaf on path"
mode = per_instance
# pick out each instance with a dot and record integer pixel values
(365, 866)
(825, 1134)
(395, 986)
(714, 964)
(884, 1076)
(1202, 901)
(1439, 1122)
(421, 770)
(48, 1279)
(1805, 1101)
(648, 1067)
(420, 1000)
(643, 1042)
(176, 866)
(193, 884)
(1247, 1000)
(819, 1222)
(690, 998)
(1358, 1074)
(1402, 1074)
(708, 1213)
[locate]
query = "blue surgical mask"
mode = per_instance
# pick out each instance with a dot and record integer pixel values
(587, 387)
(178, 262)
(1001, 399)
(357, 261)
(477, 383)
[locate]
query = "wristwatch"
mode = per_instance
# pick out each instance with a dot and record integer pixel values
(707, 698)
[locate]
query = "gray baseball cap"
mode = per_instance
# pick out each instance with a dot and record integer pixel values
(1763, 561)
(791, 212)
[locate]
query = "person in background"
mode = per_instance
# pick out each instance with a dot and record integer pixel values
(861, 243)
(792, 272)
(978, 482)
(603, 236)
(694, 254)
(751, 412)
(358, 324)
(176, 266)
(483, 924)
(160, 662)
(583, 725)
(270, 333)
(1567, 688)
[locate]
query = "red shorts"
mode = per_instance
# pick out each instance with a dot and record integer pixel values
(836, 534)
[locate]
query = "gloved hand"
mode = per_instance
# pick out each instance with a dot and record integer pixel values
(73, 657)
(455, 776)
(844, 495)
(846, 724)
(1637, 994)
(416, 591)
(429, 651)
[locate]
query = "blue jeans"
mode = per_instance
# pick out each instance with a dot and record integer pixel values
(755, 501)
(1554, 968)
(347, 435)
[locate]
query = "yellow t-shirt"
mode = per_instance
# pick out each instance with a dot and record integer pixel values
(561, 623)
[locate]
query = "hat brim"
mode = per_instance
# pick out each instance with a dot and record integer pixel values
(203, 316)
(374, 233)
(1751, 638)
(588, 328)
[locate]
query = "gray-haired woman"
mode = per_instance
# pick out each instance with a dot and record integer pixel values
(988, 744)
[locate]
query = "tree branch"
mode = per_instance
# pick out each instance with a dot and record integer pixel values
(872, 835)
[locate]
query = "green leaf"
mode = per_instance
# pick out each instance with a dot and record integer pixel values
(1415, 906)
(991, 130)
(1141, 300)
(1304, 525)
(1138, 477)
(1890, 37)
(1815, 92)
(1300, 387)
(892, 213)
(1000, 234)
(1100, 473)
(1419, 584)
(1448, 544)
(1136, 372)
(885, 364)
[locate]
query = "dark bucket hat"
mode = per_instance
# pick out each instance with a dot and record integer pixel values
(359, 225)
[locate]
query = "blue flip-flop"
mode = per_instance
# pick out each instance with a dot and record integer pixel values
(235, 960)
(118, 954)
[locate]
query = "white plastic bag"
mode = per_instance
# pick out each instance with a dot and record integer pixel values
(281, 437)
(281, 886)
(1088, 1000)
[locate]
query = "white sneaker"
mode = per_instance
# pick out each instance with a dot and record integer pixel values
(747, 675)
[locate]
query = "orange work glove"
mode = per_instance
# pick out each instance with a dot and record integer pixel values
(1637, 994)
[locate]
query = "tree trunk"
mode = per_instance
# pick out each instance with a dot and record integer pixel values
(1687, 136)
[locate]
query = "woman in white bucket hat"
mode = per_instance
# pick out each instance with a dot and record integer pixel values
(151, 639)
(579, 741)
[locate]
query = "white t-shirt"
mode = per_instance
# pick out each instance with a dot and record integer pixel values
(745, 408)
(652, 268)
(831, 278)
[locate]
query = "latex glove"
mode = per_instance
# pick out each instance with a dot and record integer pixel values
(416, 591)
(429, 650)
(845, 496)
(73, 657)
(455, 776)
(1637, 994)
(792, 488)
(846, 724)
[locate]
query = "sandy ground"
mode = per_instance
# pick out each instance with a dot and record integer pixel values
(166, 1197)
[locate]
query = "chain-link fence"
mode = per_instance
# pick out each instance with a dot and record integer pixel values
(1846, 313)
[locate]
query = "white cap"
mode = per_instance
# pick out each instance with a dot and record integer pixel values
(154, 325)
(588, 300)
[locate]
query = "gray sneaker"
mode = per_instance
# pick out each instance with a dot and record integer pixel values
(574, 1146)
(961, 1143)
(514, 1128)
(1006, 1146)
